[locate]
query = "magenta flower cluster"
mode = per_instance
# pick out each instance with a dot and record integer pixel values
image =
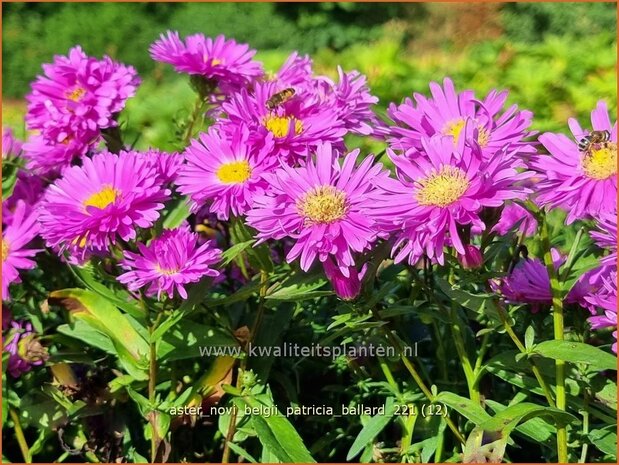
(276, 156)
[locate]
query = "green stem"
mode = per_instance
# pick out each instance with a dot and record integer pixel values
(195, 114)
(21, 439)
(152, 384)
(585, 429)
(557, 318)
(264, 281)
(469, 374)
(415, 375)
(514, 337)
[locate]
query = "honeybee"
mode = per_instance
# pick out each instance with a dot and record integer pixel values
(280, 98)
(594, 137)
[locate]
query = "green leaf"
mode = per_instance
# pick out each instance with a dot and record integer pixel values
(480, 304)
(277, 434)
(119, 297)
(131, 348)
(230, 254)
(86, 333)
(536, 429)
(507, 419)
(187, 337)
(372, 428)
(238, 450)
(466, 407)
(529, 337)
(9, 177)
(259, 256)
(577, 352)
(299, 287)
(177, 214)
(605, 439)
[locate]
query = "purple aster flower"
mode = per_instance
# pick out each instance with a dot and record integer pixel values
(11, 146)
(226, 171)
(324, 206)
(606, 236)
(512, 215)
(297, 125)
(169, 262)
(47, 156)
(22, 229)
(528, 282)
(352, 100)
(68, 106)
(229, 65)
(606, 301)
(582, 182)
(28, 189)
(445, 114)
(346, 287)
(441, 188)
(296, 72)
(107, 198)
(24, 348)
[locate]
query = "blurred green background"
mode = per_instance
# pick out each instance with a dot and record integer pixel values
(556, 59)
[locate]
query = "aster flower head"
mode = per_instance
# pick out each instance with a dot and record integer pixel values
(168, 263)
(24, 349)
(11, 146)
(325, 206)
(606, 236)
(528, 282)
(225, 63)
(70, 104)
(16, 256)
(226, 171)
(28, 189)
(605, 300)
(583, 182)
(440, 189)
(446, 112)
(296, 72)
(81, 88)
(514, 214)
(297, 125)
(167, 165)
(353, 101)
(105, 199)
(346, 287)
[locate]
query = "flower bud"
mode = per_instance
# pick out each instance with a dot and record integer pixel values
(472, 258)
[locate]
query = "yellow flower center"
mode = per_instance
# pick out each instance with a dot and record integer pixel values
(322, 205)
(5, 250)
(280, 125)
(454, 128)
(166, 271)
(442, 188)
(601, 163)
(483, 136)
(76, 94)
(102, 199)
(235, 172)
